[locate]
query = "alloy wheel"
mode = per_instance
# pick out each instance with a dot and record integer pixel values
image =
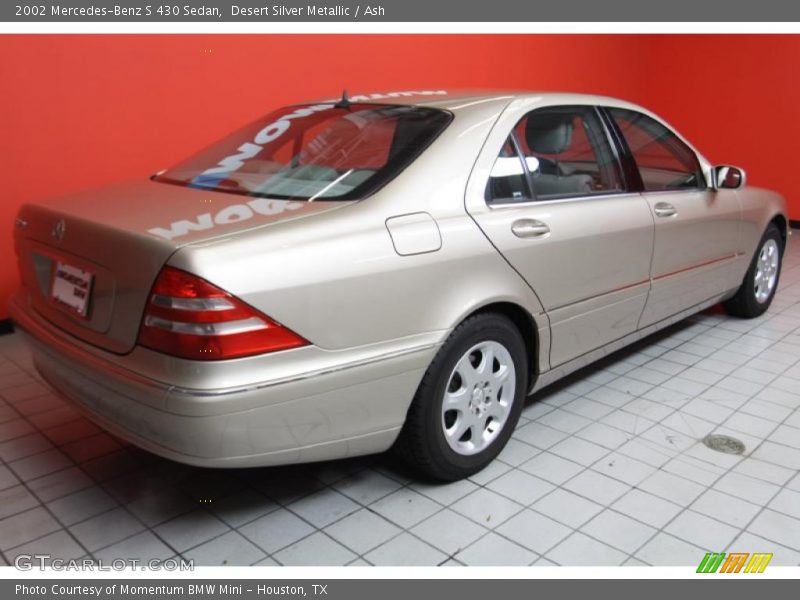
(478, 397)
(766, 274)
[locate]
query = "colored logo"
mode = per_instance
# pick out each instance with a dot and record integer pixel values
(734, 562)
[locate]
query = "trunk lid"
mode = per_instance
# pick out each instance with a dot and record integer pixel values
(111, 243)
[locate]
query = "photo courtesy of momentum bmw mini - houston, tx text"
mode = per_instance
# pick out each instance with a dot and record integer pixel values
(288, 323)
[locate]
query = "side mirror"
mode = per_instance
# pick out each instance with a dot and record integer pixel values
(727, 177)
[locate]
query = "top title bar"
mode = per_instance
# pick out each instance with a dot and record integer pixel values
(339, 11)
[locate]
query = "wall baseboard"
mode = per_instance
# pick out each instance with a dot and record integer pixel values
(6, 326)
(794, 224)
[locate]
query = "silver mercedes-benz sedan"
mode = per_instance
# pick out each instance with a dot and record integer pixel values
(394, 270)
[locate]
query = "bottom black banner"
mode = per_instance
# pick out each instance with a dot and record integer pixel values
(729, 587)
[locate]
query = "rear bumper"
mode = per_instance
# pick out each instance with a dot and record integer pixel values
(354, 409)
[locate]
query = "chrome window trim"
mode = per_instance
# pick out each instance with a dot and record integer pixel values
(562, 200)
(594, 196)
(680, 190)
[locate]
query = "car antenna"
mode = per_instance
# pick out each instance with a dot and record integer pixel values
(344, 102)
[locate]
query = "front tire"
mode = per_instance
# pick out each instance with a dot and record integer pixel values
(469, 400)
(761, 280)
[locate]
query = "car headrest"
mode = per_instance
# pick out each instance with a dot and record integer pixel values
(548, 133)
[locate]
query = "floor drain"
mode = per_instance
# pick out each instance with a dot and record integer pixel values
(724, 443)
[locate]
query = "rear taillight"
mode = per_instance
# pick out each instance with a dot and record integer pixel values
(186, 316)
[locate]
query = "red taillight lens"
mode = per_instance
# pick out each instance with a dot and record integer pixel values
(186, 316)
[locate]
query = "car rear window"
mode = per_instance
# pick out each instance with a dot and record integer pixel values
(314, 152)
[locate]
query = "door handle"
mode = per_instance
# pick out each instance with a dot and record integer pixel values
(665, 209)
(529, 228)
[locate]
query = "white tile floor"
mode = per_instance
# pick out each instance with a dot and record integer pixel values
(604, 469)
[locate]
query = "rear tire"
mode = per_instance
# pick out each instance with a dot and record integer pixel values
(469, 400)
(761, 280)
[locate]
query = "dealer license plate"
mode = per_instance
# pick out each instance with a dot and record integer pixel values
(72, 287)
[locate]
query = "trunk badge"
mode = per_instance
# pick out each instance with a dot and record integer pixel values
(59, 229)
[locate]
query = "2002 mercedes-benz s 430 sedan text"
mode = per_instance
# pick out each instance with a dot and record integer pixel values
(394, 270)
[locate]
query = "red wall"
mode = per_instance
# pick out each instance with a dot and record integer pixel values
(84, 110)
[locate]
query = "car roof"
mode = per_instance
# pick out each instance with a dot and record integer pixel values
(462, 99)
(454, 99)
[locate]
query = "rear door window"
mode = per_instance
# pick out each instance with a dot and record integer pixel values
(561, 152)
